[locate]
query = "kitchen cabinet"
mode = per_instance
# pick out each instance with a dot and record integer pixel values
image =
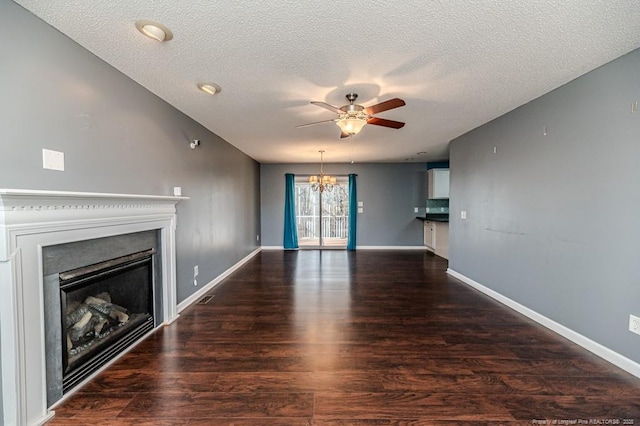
(429, 235)
(436, 237)
(442, 239)
(438, 183)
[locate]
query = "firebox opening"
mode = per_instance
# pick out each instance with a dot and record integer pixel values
(104, 308)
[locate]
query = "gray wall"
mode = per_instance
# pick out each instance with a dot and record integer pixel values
(553, 220)
(1, 398)
(389, 191)
(118, 137)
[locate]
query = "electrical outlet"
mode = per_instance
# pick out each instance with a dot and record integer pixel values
(415, 210)
(634, 324)
(195, 271)
(258, 237)
(463, 214)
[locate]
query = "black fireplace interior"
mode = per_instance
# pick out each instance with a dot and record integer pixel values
(104, 308)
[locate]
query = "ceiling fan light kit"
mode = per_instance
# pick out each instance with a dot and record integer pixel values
(352, 117)
(351, 125)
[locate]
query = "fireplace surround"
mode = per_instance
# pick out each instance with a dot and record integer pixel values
(100, 297)
(32, 222)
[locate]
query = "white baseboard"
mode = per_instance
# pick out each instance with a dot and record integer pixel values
(602, 351)
(357, 248)
(423, 248)
(198, 294)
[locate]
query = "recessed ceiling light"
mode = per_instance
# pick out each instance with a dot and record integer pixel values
(210, 88)
(421, 153)
(154, 30)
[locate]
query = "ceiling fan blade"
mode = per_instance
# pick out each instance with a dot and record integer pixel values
(329, 107)
(386, 123)
(384, 106)
(344, 135)
(314, 123)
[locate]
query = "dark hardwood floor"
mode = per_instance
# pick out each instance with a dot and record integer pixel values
(353, 338)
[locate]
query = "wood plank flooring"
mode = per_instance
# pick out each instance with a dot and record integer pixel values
(334, 338)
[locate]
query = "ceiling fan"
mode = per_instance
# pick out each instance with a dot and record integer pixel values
(352, 117)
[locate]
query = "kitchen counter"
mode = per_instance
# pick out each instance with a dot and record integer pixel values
(435, 217)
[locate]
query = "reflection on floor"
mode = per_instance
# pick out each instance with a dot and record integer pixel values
(367, 337)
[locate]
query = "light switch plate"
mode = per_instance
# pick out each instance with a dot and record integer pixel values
(52, 160)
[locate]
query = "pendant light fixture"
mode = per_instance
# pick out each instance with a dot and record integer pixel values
(323, 182)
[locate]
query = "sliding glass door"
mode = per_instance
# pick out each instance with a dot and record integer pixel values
(322, 217)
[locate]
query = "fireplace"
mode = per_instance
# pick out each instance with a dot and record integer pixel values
(49, 241)
(103, 309)
(100, 307)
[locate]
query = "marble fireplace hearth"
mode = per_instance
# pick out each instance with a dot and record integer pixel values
(31, 221)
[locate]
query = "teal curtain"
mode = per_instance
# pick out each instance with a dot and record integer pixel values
(290, 230)
(353, 212)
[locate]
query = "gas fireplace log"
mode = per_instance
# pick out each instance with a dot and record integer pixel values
(92, 325)
(92, 319)
(84, 321)
(101, 323)
(114, 311)
(82, 330)
(75, 314)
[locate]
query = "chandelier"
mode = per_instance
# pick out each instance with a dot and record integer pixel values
(322, 182)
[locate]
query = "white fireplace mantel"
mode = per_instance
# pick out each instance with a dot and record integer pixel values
(31, 220)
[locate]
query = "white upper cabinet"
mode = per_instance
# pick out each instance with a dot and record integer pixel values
(438, 180)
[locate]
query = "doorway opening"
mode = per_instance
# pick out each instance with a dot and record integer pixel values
(322, 218)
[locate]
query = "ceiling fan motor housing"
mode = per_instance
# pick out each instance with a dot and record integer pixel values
(352, 109)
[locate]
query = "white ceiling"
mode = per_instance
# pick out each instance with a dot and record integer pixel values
(457, 64)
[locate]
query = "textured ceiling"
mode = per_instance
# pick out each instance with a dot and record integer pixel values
(457, 64)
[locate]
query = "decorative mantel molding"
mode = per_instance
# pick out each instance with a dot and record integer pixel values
(29, 206)
(31, 220)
